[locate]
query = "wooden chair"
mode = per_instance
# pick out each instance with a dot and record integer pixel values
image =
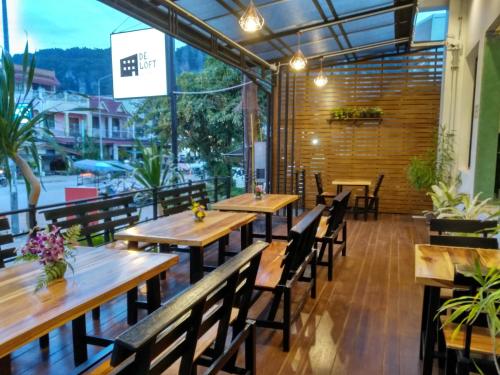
(329, 230)
(371, 201)
(8, 254)
(99, 219)
(204, 325)
(448, 232)
(283, 265)
(322, 195)
(180, 199)
(470, 347)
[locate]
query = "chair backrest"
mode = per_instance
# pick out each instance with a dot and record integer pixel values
(300, 242)
(380, 178)
(319, 183)
(454, 233)
(171, 333)
(95, 218)
(337, 212)
(7, 249)
(180, 199)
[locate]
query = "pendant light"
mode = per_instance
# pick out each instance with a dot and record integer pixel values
(320, 79)
(298, 61)
(251, 20)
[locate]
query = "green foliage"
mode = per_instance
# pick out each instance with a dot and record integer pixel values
(152, 171)
(450, 204)
(343, 113)
(20, 129)
(466, 309)
(211, 124)
(152, 116)
(87, 148)
(436, 165)
(51, 272)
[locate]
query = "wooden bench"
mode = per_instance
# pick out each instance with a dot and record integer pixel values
(180, 199)
(200, 326)
(7, 249)
(283, 265)
(101, 218)
(449, 232)
(329, 230)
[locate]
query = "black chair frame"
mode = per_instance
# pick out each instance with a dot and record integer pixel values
(371, 202)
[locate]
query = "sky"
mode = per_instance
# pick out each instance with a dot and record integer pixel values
(63, 24)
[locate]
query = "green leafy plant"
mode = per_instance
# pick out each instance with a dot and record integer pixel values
(436, 165)
(445, 196)
(20, 128)
(152, 171)
(343, 113)
(465, 310)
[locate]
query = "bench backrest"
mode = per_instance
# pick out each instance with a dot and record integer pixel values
(337, 212)
(300, 243)
(171, 332)
(7, 249)
(180, 199)
(319, 183)
(451, 233)
(102, 217)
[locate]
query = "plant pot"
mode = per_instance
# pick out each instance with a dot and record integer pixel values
(258, 196)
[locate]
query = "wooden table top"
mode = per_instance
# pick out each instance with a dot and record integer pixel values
(182, 229)
(435, 265)
(352, 182)
(100, 275)
(270, 203)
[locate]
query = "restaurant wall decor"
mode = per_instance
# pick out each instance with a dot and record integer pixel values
(405, 87)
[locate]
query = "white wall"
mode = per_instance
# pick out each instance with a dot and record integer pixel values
(469, 20)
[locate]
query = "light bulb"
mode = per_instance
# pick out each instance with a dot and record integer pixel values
(298, 61)
(320, 80)
(251, 20)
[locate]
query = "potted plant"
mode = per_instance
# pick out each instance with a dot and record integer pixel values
(53, 250)
(465, 310)
(198, 210)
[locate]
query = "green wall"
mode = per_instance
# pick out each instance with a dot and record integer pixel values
(489, 119)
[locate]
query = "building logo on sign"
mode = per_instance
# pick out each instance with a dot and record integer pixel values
(129, 66)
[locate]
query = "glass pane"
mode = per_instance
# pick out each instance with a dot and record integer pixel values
(431, 26)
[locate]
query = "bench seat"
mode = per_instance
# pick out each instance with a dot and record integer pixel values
(270, 268)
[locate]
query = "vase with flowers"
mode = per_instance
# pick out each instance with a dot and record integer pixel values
(258, 191)
(53, 250)
(198, 211)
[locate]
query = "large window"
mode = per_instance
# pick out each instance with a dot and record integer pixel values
(430, 26)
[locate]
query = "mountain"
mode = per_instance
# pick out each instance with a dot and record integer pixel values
(79, 69)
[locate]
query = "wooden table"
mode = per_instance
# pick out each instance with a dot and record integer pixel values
(435, 269)
(268, 205)
(182, 229)
(352, 182)
(100, 275)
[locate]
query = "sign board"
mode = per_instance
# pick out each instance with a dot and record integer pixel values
(139, 64)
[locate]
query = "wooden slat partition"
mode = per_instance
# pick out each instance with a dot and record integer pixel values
(406, 87)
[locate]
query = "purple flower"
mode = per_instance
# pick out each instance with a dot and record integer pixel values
(48, 245)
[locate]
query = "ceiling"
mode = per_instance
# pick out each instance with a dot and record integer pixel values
(328, 28)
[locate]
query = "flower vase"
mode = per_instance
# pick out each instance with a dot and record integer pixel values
(52, 272)
(258, 196)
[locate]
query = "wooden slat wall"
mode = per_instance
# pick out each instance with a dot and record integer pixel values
(406, 87)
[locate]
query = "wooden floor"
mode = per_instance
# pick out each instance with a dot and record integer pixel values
(364, 322)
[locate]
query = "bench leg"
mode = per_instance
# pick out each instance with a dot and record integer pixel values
(250, 351)
(287, 319)
(79, 340)
(313, 275)
(344, 239)
(330, 260)
(132, 296)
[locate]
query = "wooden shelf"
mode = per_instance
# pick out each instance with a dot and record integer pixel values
(378, 120)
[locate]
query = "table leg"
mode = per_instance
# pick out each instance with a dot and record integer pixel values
(5, 366)
(79, 340)
(431, 330)
(249, 233)
(132, 296)
(133, 245)
(339, 189)
(221, 257)
(195, 264)
(244, 237)
(153, 294)
(289, 217)
(269, 227)
(423, 323)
